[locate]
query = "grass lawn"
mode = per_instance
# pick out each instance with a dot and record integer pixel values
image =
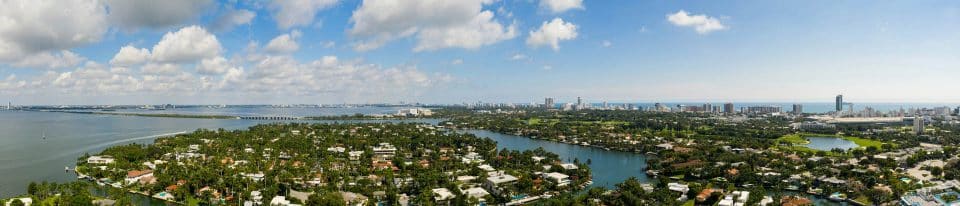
(866, 142)
(865, 200)
(794, 139)
(192, 201)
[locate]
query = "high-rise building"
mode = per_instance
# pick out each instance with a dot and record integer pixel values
(918, 125)
(548, 103)
(761, 109)
(9, 106)
(839, 103)
(797, 109)
(728, 108)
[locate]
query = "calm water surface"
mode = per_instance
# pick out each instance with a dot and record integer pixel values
(608, 167)
(830, 143)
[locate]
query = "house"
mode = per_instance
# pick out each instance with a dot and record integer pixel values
(442, 195)
(472, 157)
(26, 201)
(559, 178)
(569, 166)
(141, 176)
(497, 181)
(281, 201)
(486, 168)
(336, 149)
(354, 198)
(100, 160)
(384, 152)
(355, 155)
(475, 192)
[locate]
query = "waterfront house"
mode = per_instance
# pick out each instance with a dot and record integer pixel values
(100, 159)
(559, 178)
(569, 166)
(26, 201)
(141, 176)
(498, 181)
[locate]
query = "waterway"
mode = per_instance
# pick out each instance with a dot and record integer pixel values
(36, 146)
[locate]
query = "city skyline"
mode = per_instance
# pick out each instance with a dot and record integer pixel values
(331, 51)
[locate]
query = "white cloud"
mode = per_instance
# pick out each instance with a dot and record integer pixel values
(160, 69)
(217, 65)
(28, 27)
(48, 60)
(285, 43)
(437, 24)
(134, 14)
(551, 33)
(189, 44)
(518, 56)
(328, 75)
(456, 62)
(129, 56)
(606, 43)
(92, 78)
(560, 6)
(703, 24)
(231, 18)
(291, 13)
(11, 85)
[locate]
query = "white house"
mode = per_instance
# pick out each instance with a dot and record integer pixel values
(442, 194)
(100, 160)
(559, 178)
(497, 180)
(26, 201)
(143, 176)
(281, 201)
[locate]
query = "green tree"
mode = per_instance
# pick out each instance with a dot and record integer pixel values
(16, 202)
(325, 199)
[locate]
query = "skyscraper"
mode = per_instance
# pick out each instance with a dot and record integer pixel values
(797, 109)
(728, 108)
(839, 103)
(548, 103)
(918, 125)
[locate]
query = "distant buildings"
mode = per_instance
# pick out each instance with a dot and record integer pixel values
(918, 125)
(839, 103)
(549, 103)
(761, 109)
(728, 108)
(797, 109)
(415, 112)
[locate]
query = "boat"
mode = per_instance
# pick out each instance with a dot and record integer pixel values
(837, 196)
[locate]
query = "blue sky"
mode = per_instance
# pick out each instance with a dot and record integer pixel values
(436, 51)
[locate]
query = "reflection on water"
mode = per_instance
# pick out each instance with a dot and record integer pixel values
(829, 143)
